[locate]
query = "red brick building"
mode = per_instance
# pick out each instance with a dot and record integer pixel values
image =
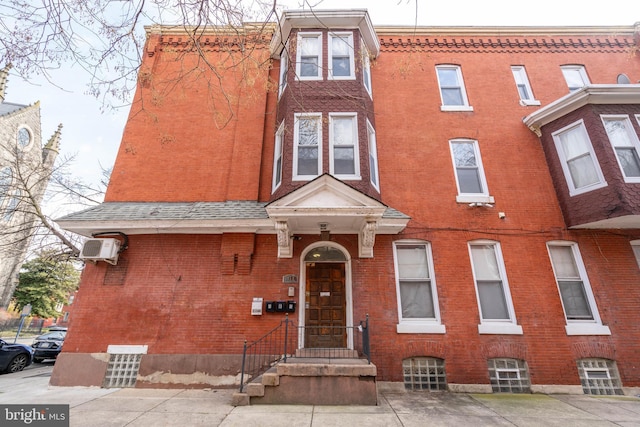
(474, 191)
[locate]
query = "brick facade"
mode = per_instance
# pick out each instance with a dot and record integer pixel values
(187, 295)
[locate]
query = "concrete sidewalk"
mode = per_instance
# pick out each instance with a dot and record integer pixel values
(95, 407)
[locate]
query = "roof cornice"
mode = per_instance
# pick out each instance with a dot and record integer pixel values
(591, 94)
(333, 18)
(618, 30)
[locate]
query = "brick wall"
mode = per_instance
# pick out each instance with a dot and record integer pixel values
(177, 293)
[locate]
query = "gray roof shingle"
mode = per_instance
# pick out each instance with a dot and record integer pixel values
(9, 107)
(132, 211)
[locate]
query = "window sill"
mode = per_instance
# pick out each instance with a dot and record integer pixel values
(529, 102)
(587, 329)
(421, 328)
(588, 188)
(456, 108)
(127, 349)
(347, 177)
(474, 198)
(500, 328)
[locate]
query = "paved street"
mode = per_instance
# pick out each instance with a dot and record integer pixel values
(96, 407)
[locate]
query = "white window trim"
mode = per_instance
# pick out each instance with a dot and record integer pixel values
(495, 326)
(581, 70)
(299, 76)
(284, 67)
(635, 247)
(579, 327)
(573, 191)
(520, 73)
(352, 64)
(463, 90)
(418, 326)
(634, 141)
(373, 153)
(297, 116)
(366, 65)
(356, 151)
(483, 197)
(278, 153)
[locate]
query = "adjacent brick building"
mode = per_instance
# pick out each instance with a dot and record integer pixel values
(474, 191)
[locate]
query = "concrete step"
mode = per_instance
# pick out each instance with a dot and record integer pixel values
(303, 381)
(332, 353)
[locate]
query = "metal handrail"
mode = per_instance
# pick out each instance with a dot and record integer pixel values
(273, 347)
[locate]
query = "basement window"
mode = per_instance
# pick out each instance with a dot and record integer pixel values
(124, 364)
(122, 370)
(509, 376)
(599, 377)
(424, 373)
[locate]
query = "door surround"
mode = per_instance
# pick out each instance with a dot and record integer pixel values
(347, 285)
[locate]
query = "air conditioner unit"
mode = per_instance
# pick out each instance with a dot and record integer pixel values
(101, 250)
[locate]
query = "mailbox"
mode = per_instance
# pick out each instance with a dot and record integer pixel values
(281, 306)
(270, 306)
(291, 307)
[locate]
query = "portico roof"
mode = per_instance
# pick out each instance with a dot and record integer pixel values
(324, 200)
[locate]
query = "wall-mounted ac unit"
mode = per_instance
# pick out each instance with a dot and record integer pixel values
(101, 250)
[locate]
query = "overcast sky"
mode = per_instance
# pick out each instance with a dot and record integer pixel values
(94, 136)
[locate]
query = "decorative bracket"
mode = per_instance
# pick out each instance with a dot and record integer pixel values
(366, 239)
(285, 244)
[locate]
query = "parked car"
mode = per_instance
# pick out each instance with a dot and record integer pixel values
(14, 357)
(49, 345)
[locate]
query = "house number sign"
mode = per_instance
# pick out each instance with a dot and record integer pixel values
(289, 278)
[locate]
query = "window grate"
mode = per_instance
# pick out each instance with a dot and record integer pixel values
(122, 370)
(509, 376)
(599, 376)
(424, 373)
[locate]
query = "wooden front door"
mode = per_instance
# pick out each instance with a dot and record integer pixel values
(325, 317)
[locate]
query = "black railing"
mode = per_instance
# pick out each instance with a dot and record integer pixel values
(322, 342)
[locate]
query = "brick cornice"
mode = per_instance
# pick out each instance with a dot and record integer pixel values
(507, 43)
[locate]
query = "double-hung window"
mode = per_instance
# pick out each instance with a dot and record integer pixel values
(373, 156)
(309, 56)
(575, 76)
(635, 246)
(342, 56)
(284, 67)
(452, 91)
(277, 158)
(523, 86)
(366, 68)
(418, 310)
(492, 289)
(578, 302)
(625, 144)
(470, 179)
(307, 156)
(579, 162)
(343, 149)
